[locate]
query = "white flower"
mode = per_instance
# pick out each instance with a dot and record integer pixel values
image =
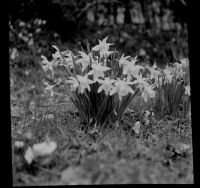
(44, 148)
(148, 92)
(66, 55)
(154, 73)
(19, 144)
(84, 83)
(29, 156)
(85, 60)
(69, 60)
(187, 90)
(168, 76)
(130, 69)
(98, 71)
(140, 81)
(56, 55)
(122, 88)
(74, 83)
(178, 70)
(106, 85)
(47, 65)
(123, 60)
(103, 48)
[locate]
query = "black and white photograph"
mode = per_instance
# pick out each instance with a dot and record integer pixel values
(100, 92)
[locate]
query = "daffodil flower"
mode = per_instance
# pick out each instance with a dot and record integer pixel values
(84, 60)
(98, 71)
(122, 88)
(187, 90)
(106, 85)
(123, 60)
(140, 81)
(130, 69)
(47, 65)
(69, 61)
(84, 83)
(148, 92)
(168, 76)
(103, 48)
(56, 55)
(74, 83)
(154, 73)
(66, 55)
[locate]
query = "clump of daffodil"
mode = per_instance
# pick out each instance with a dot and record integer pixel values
(172, 87)
(100, 82)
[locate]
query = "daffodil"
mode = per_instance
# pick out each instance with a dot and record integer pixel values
(74, 84)
(177, 70)
(130, 69)
(84, 60)
(168, 76)
(106, 85)
(84, 83)
(154, 73)
(140, 81)
(66, 55)
(56, 55)
(103, 48)
(81, 82)
(123, 60)
(98, 71)
(122, 88)
(148, 92)
(69, 60)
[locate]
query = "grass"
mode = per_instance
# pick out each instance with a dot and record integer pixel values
(110, 156)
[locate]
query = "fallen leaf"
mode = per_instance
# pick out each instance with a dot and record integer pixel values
(44, 148)
(136, 127)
